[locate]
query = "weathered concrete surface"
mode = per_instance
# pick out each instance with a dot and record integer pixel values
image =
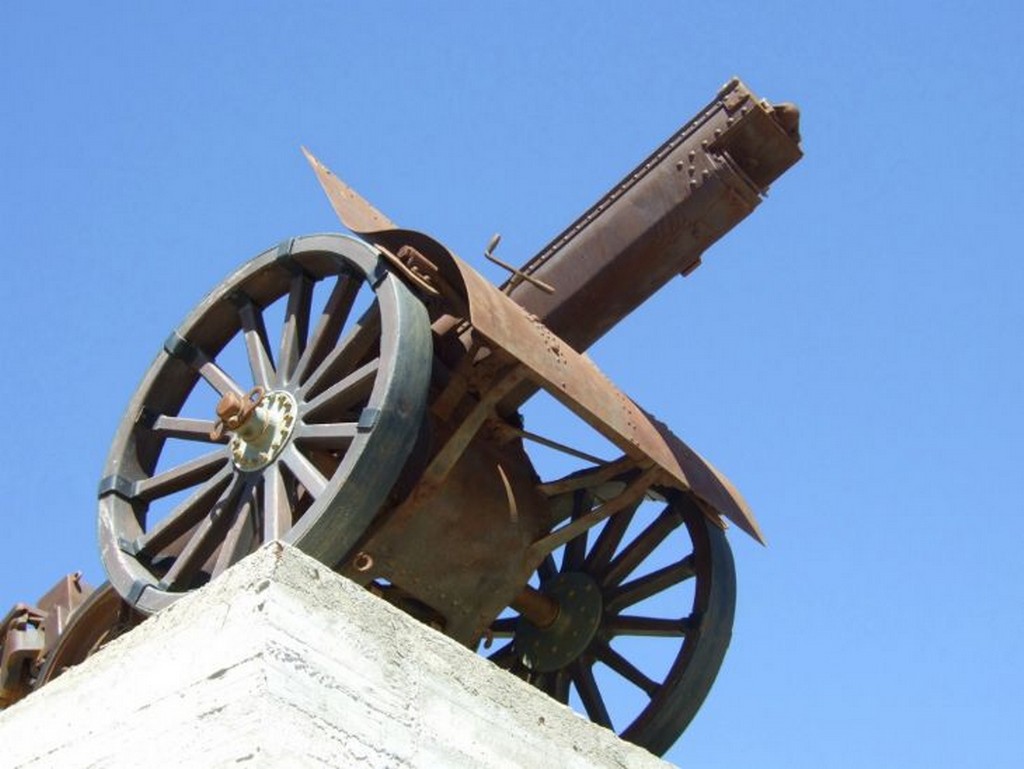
(282, 663)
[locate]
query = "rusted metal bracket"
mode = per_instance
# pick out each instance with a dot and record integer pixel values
(633, 493)
(23, 643)
(469, 426)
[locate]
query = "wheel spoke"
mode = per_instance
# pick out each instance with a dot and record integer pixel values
(184, 516)
(547, 568)
(342, 396)
(296, 327)
(277, 512)
(204, 539)
(257, 344)
(218, 379)
(505, 657)
(543, 681)
(185, 429)
(641, 547)
(350, 352)
(305, 471)
(560, 687)
(328, 328)
(239, 538)
(623, 667)
(576, 548)
(330, 436)
(181, 477)
(656, 582)
(647, 626)
(505, 627)
(609, 538)
(586, 686)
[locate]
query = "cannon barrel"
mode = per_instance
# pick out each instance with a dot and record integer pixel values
(657, 221)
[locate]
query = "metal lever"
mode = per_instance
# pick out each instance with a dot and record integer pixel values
(516, 272)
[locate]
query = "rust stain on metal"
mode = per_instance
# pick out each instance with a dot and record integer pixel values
(355, 211)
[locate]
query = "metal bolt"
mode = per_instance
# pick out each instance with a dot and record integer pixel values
(363, 562)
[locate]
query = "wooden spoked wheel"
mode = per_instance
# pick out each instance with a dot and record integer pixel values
(283, 407)
(646, 603)
(99, 620)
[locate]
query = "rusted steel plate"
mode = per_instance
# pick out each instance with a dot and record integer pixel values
(709, 485)
(355, 211)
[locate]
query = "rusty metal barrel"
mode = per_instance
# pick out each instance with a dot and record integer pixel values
(658, 221)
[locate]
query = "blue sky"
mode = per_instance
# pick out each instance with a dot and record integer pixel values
(849, 356)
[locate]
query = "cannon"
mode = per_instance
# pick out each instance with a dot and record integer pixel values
(368, 398)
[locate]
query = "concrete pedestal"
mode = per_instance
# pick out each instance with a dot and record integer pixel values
(282, 663)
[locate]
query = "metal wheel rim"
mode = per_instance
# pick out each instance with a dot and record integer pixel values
(99, 620)
(370, 450)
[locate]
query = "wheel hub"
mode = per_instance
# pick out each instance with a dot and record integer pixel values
(581, 606)
(260, 426)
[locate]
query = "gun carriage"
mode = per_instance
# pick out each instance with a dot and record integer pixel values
(361, 398)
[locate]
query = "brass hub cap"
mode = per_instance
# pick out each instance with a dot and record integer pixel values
(260, 426)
